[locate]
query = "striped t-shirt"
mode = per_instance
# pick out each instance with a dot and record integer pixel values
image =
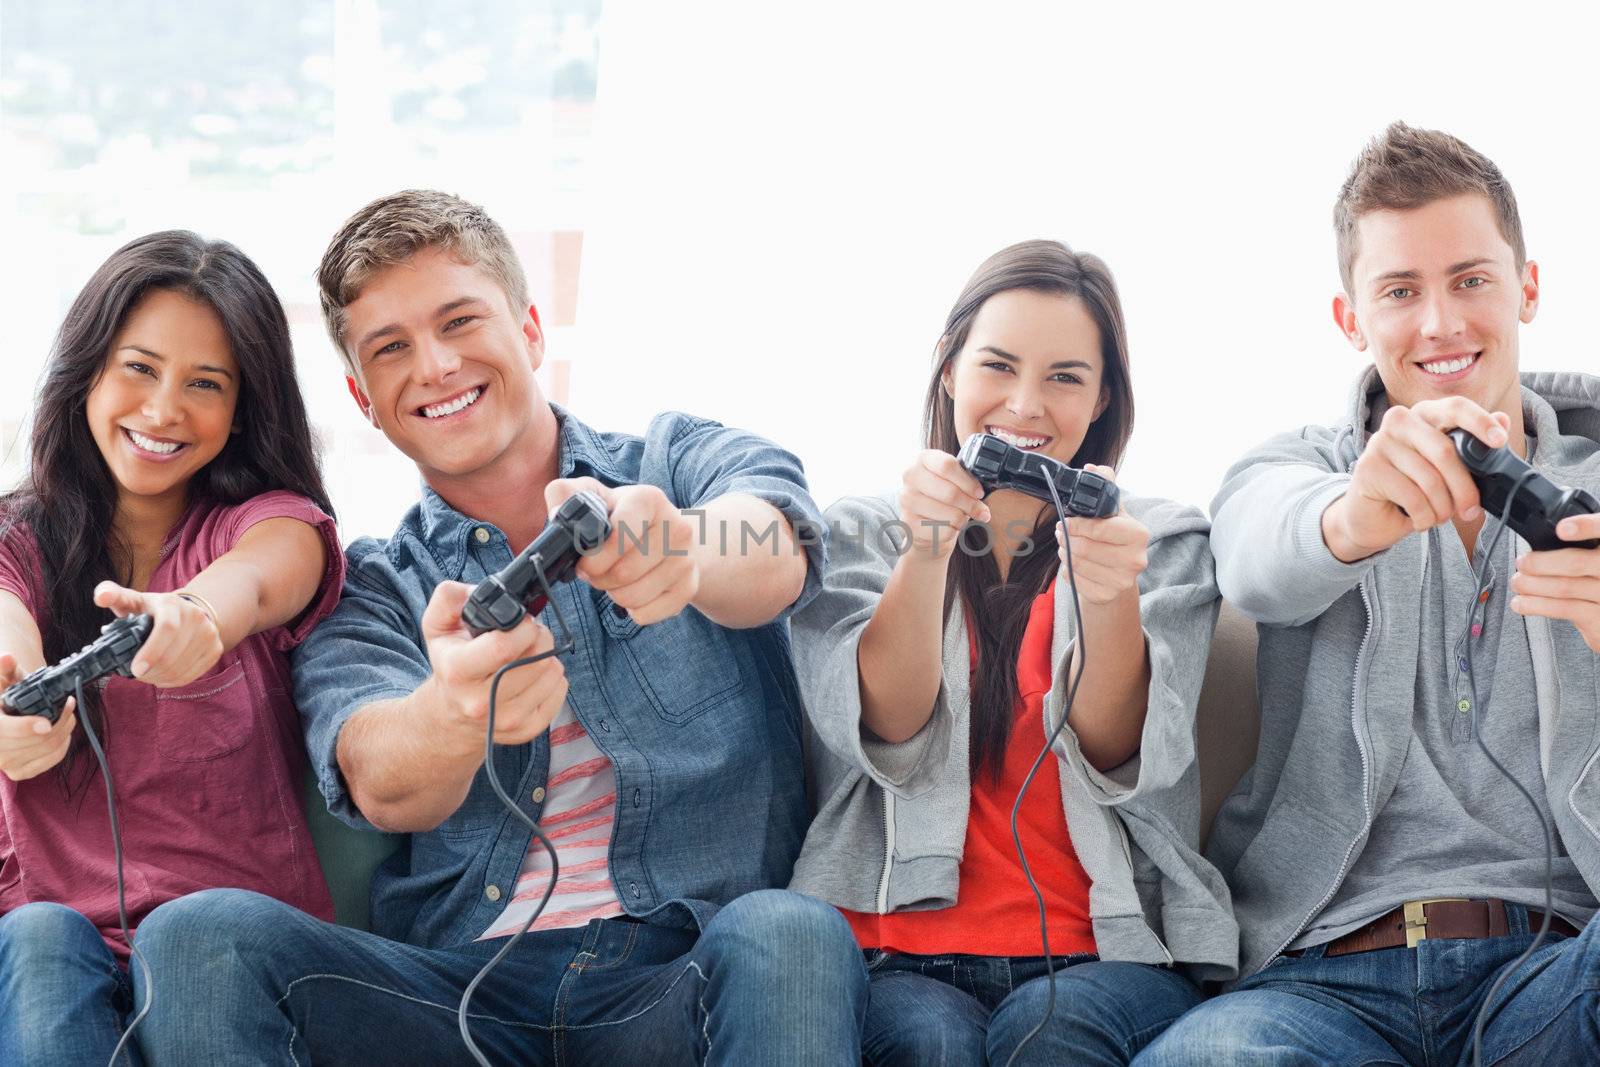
(580, 808)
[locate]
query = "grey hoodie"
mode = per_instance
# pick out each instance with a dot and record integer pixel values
(892, 818)
(1337, 666)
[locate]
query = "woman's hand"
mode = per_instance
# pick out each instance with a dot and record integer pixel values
(938, 497)
(184, 643)
(1108, 555)
(31, 744)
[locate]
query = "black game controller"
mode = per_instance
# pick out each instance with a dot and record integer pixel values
(45, 691)
(500, 601)
(1540, 503)
(999, 465)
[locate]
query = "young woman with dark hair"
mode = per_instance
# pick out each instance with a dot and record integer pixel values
(934, 666)
(172, 473)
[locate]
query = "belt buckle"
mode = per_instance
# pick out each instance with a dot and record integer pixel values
(1417, 920)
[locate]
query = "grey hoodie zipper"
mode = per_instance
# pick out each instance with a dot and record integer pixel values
(888, 851)
(1356, 690)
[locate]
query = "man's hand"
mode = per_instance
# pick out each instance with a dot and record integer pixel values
(30, 744)
(646, 562)
(529, 697)
(1563, 583)
(1108, 554)
(1409, 478)
(938, 496)
(184, 640)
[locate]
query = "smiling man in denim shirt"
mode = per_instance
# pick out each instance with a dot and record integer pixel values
(662, 753)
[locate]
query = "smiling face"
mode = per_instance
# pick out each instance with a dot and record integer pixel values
(445, 364)
(1030, 372)
(163, 405)
(1437, 296)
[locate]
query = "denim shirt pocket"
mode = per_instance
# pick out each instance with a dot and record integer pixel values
(684, 666)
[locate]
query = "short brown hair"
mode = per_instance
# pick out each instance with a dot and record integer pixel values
(392, 229)
(1405, 168)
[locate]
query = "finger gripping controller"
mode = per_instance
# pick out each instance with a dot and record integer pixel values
(1539, 503)
(999, 465)
(501, 600)
(45, 691)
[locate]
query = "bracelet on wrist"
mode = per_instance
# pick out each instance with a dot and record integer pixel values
(203, 604)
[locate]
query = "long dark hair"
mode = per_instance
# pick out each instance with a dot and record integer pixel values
(998, 610)
(69, 498)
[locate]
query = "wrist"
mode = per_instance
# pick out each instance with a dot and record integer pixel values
(1336, 533)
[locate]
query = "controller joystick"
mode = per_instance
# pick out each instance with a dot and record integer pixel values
(1539, 505)
(501, 600)
(45, 691)
(999, 465)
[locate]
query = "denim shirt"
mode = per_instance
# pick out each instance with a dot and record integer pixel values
(701, 723)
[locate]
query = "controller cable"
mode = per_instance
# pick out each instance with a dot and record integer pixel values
(122, 899)
(563, 643)
(1544, 820)
(1044, 753)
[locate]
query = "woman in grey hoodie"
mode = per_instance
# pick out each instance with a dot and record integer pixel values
(923, 751)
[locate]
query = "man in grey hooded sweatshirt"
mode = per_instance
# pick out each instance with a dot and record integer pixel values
(1386, 875)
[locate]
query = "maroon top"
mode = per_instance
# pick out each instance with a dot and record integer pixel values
(208, 776)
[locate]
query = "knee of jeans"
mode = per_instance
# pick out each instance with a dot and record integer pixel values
(202, 926)
(1207, 1036)
(40, 932)
(787, 929)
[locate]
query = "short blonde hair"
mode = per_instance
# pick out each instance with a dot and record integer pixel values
(392, 229)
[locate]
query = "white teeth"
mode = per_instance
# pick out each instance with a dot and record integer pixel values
(439, 411)
(1015, 441)
(149, 444)
(1448, 366)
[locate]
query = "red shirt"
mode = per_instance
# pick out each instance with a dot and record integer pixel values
(995, 913)
(208, 776)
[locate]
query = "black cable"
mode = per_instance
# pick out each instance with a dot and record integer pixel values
(1044, 753)
(563, 643)
(1544, 820)
(122, 899)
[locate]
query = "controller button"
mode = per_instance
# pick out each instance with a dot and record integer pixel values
(482, 534)
(538, 795)
(493, 893)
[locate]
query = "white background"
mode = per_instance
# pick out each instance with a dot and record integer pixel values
(781, 202)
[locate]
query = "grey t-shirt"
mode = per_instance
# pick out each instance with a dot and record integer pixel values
(1454, 827)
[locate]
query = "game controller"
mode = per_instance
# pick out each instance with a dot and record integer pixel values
(45, 691)
(1539, 504)
(501, 600)
(999, 465)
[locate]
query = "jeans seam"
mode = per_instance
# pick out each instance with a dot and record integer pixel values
(691, 966)
(289, 991)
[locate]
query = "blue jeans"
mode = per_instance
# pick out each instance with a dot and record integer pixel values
(64, 999)
(1404, 1006)
(775, 977)
(931, 1010)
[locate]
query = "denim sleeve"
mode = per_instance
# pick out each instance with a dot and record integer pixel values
(369, 649)
(700, 460)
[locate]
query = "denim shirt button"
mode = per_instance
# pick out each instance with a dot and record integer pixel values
(619, 611)
(633, 887)
(493, 893)
(482, 534)
(604, 728)
(538, 795)
(636, 798)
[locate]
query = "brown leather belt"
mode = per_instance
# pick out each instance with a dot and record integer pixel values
(1426, 920)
